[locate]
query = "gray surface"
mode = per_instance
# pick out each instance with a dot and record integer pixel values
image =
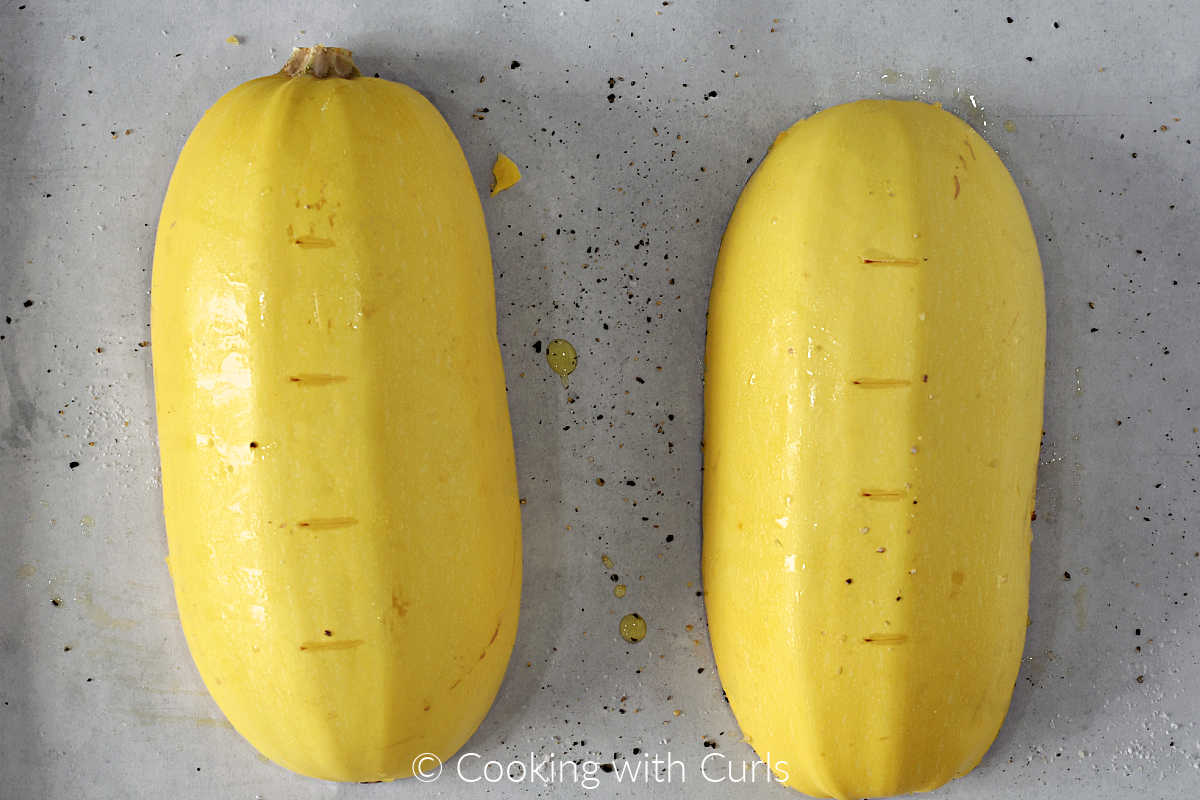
(94, 108)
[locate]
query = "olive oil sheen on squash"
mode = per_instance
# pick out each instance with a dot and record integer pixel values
(873, 408)
(338, 475)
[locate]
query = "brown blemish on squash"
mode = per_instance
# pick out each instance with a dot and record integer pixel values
(342, 645)
(885, 638)
(398, 605)
(482, 656)
(400, 742)
(327, 523)
(955, 187)
(970, 149)
(317, 206)
(317, 379)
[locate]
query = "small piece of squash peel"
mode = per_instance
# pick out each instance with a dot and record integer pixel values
(504, 174)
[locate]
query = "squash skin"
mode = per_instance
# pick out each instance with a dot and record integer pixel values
(873, 402)
(338, 472)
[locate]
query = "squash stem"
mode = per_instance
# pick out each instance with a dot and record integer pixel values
(321, 62)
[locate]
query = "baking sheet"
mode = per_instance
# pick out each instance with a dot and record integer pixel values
(635, 125)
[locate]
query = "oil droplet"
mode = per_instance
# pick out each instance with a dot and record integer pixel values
(562, 358)
(87, 521)
(1081, 608)
(891, 76)
(619, 590)
(99, 616)
(971, 107)
(606, 561)
(27, 571)
(633, 628)
(1010, 126)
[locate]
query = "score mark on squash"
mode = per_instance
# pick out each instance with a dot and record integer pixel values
(881, 383)
(883, 494)
(885, 638)
(327, 523)
(889, 261)
(343, 645)
(316, 379)
(310, 242)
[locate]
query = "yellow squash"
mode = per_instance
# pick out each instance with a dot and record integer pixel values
(338, 477)
(873, 405)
